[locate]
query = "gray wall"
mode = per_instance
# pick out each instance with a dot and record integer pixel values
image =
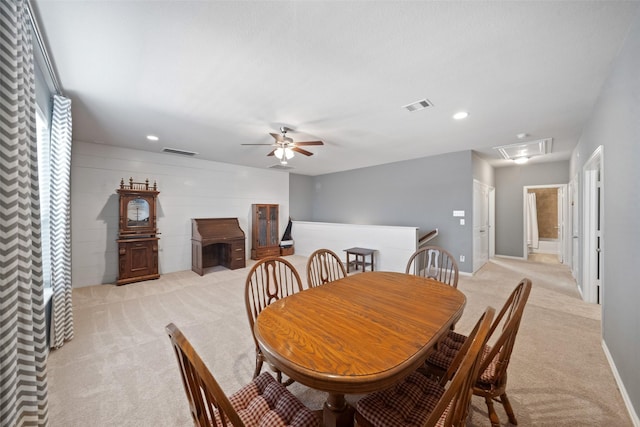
(301, 202)
(483, 171)
(421, 193)
(509, 200)
(615, 124)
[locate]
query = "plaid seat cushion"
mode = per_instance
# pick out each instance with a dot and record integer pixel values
(446, 350)
(449, 347)
(265, 402)
(406, 404)
(489, 374)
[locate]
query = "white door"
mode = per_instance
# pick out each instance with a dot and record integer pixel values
(492, 222)
(481, 226)
(592, 253)
(560, 226)
(574, 235)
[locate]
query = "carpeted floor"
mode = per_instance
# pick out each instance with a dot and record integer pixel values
(544, 258)
(120, 369)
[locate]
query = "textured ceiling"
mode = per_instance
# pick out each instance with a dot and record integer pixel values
(209, 76)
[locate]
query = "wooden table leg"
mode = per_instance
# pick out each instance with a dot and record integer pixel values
(337, 412)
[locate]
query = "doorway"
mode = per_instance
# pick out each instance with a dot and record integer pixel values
(483, 224)
(593, 245)
(546, 207)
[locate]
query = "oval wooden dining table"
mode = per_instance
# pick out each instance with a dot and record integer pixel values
(357, 335)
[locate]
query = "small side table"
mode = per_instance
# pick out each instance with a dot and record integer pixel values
(360, 255)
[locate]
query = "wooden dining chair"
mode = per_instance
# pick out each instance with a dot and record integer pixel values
(434, 262)
(491, 382)
(268, 280)
(261, 402)
(422, 401)
(324, 266)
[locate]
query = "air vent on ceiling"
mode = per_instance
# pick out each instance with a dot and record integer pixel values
(281, 167)
(525, 149)
(177, 151)
(418, 105)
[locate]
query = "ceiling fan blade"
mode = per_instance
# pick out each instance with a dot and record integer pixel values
(281, 138)
(301, 151)
(257, 144)
(309, 143)
(272, 152)
(277, 137)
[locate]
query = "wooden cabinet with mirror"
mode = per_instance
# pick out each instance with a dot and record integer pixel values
(265, 229)
(137, 232)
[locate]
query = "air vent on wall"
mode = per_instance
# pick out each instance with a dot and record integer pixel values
(177, 151)
(418, 105)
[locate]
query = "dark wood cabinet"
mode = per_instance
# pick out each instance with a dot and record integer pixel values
(216, 241)
(138, 259)
(137, 232)
(264, 231)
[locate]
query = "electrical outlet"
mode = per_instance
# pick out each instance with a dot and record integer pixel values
(461, 258)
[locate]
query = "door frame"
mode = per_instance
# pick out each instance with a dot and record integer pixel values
(491, 237)
(573, 226)
(592, 285)
(492, 222)
(562, 232)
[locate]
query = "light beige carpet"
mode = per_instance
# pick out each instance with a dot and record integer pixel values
(544, 258)
(120, 369)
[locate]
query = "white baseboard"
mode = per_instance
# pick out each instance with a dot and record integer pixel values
(623, 391)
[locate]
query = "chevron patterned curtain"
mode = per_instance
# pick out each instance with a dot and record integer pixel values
(23, 350)
(60, 220)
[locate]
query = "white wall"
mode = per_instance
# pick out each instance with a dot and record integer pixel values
(394, 245)
(189, 188)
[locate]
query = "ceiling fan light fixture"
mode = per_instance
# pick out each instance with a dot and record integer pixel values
(283, 153)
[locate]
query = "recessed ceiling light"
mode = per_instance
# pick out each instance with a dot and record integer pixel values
(152, 138)
(461, 115)
(522, 135)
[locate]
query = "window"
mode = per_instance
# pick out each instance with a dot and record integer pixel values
(44, 180)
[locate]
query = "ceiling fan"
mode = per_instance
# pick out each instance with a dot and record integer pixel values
(284, 146)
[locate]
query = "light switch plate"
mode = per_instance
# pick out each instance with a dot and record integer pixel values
(458, 213)
(461, 221)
